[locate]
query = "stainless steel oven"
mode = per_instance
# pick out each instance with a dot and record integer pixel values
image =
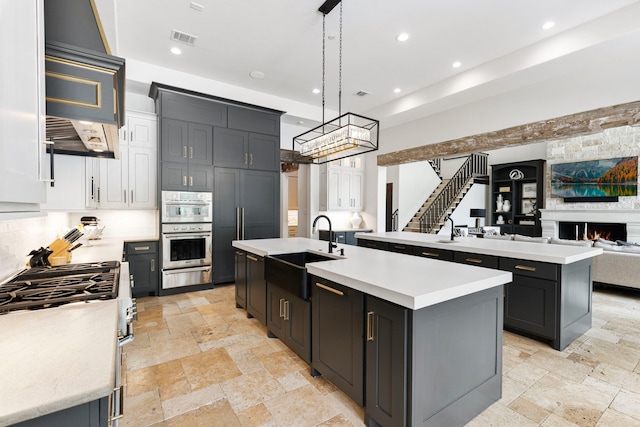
(187, 242)
(184, 206)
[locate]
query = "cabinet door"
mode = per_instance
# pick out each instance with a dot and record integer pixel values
(260, 198)
(366, 243)
(22, 105)
(114, 181)
(200, 144)
(441, 254)
(264, 152)
(144, 269)
(276, 302)
(386, 362)
(337, 336)
(230, 148)
(345, 199)
(241, 279)
(142, 178)
(69, 190)
(334, 185)
(174, 176)
(476, 259)
(357, 190)
(297, 315)
(225, 222)
(92, 182)
(141, 131)
(530, 305)
(174, 141)
(200, 178)
(254, 121)
(256, 288)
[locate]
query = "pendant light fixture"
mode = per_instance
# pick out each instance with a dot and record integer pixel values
(345, 136)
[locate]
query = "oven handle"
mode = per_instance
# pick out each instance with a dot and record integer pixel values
(171, 236)
(186, 270)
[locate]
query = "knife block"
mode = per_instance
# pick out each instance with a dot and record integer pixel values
(60, 252)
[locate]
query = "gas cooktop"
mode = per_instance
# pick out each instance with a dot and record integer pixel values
(45, 287)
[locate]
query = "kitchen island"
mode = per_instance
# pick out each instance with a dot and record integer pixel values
(61, 362)
(550, 296)
(413, 340)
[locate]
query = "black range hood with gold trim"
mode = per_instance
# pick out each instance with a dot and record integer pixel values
(84, 84)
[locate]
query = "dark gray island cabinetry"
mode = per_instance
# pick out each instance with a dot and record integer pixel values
(550, 296)
(413, 349)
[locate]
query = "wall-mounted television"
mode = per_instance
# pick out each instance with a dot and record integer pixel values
(595, 180)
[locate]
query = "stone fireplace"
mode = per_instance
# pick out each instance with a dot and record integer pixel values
(552, 220)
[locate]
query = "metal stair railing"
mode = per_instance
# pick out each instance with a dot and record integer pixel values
(394, 220)
(475, 165)
(436, 164)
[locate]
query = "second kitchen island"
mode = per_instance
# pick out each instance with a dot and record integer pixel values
(415, 341)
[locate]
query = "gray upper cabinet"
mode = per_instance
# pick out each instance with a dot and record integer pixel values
(254, 121)
(192, 109)
(246, 150)
(186, 142)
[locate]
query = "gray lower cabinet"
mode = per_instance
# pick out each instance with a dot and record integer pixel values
(478, 260)
(241, 279)
(373, 244)
(256, 288)
(344, 236)
(246, 206)
(386, 358)
(337, 330)
(90, 414)
(289, 318)
(143, 267)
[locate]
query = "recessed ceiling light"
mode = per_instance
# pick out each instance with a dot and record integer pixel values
(456, 64)
(402, 37)
(300, 122)
(257, 74)
(316, 91)
(176, 50)
(547, 25)
(397, 90)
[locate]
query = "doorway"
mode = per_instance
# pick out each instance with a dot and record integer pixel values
(389, 208)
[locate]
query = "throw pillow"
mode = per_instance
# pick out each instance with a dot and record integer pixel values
(521, 238)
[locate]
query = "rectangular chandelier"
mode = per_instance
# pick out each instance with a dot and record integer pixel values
(344, 136)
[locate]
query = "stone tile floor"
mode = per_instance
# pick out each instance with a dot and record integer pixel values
(198, 361)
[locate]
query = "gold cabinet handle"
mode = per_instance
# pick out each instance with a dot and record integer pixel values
(525, 268)
(191, 152)
(141, 248)
(251, 159)
(330, 289)
(287, 308)
(474, 260)
(184, 151)
(433, 254)
(370, 325)
(281, 307)
(245, 158)
(191, 181)
(184, 180)
(399, 247)
(252, 258)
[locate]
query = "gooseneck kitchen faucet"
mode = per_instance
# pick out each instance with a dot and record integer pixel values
(313, 231)
(452, 226)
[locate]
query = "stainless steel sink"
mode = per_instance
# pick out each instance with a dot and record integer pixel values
(288, 271)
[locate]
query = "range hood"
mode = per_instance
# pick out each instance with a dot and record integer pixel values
(84, 83)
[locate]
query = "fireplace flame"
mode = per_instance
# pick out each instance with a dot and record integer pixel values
(595, 235)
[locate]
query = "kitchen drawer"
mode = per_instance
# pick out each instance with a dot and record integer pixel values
(537, 269)
(402, 248)
(366, 243)
(441, 254)
(476, 259)
(147, 247)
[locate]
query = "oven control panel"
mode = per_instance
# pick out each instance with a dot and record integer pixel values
(186, 228)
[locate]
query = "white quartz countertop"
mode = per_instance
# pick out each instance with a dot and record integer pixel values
(56, 358)
(543, 252)
(406, 280)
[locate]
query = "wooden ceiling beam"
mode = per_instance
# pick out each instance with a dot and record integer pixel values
(584, 123)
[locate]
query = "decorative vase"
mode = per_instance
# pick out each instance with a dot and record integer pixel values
(506, 206)
(500, 220)
(356, 219)
(499, 203)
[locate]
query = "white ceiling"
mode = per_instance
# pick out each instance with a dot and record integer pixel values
(500, 44)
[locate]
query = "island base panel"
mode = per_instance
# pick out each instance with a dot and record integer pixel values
(576, 302)
(456, 359)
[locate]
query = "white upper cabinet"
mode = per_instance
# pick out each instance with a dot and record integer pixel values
(342, 184)
(23, 162)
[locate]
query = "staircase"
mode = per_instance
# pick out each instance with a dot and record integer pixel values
(443, 201)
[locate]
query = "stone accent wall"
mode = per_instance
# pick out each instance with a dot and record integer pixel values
(623, 141)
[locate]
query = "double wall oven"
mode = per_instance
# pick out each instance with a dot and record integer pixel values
(186, 238)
